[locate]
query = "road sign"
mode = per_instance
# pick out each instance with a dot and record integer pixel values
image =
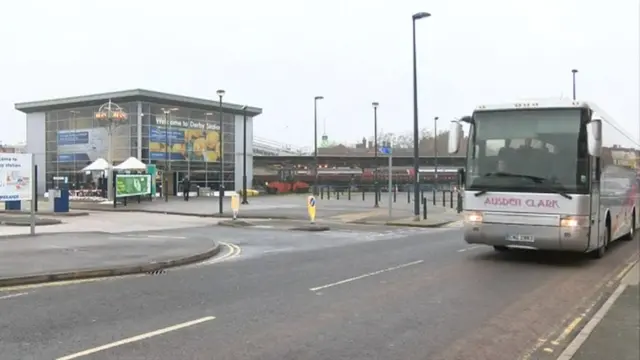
(385, 150)
(311, 208)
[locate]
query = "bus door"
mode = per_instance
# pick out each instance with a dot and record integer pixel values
(594, 232)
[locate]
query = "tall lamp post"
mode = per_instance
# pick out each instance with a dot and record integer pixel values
(573, 74)
(315, 143)
(244, 155)
(220, 94)
(113, 116)
(435, 151)
(416, 140)
(206, 159)
(375, 105)
(167, 144)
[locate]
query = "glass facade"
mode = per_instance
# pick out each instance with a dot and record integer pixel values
(190, 140)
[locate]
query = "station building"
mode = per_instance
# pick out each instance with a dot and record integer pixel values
(178, 134)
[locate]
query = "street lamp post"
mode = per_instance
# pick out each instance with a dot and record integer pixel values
(167, 145)
(375, 105)
(114, 115)
(206, 159)
(435, 150)
(315, 143)
(220, 94)
(573, 73)
(416, 140)
(244, 155)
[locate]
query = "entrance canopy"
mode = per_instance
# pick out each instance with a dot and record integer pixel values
(99, 164)
(131, 164)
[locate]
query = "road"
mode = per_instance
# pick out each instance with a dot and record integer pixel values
(354, 293)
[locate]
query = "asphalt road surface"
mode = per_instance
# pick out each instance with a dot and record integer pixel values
(354, 293)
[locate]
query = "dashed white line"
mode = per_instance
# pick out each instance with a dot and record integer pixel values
(366, 275)
(470, 248)
(136, 338)
(11, 296)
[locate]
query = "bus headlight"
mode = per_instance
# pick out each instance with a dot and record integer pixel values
(473, 217)
(574, 221)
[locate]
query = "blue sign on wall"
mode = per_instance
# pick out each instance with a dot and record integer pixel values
(72, 138)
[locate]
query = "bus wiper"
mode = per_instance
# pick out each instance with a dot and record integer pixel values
(480, 193)
(552, 185)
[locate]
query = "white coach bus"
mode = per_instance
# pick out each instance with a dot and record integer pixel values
(548, 175)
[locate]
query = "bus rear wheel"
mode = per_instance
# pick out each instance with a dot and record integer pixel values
(500, 248)
(632, 231)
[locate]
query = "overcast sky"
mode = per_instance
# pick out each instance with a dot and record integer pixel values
(279, 54)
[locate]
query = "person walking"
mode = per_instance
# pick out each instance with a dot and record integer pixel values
(186, 186)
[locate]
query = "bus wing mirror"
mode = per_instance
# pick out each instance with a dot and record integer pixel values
(461, 177)
(594, 137)
(455, 134)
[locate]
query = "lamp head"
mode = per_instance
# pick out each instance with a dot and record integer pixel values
(220, 93)
(420, 15)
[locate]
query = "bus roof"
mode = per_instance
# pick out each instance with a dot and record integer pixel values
(535, 104)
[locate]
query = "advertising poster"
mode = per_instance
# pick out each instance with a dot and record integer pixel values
(184, 139)
(133, 185)
(16, 177)
(87, 145)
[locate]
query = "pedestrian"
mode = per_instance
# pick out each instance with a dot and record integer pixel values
(186, 186)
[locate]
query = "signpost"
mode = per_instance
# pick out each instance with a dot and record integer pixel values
(311, 208)
(17, 182)
(386, 150)
(235, 205)
(133, 185)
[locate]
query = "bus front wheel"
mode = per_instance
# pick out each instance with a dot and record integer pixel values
(599, 252)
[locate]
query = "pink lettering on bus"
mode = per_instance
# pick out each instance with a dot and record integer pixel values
(516, 202)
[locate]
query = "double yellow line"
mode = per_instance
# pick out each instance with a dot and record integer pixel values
(233, 251)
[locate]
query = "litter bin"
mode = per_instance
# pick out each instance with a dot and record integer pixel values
(61, 201)
(51, 203)
(13, 205)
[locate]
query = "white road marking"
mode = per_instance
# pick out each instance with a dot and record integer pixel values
(165, 237)
(136, 338)
(470, 248)
(366, 275)
(11, 296)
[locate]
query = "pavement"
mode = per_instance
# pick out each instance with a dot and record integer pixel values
(114, 222)
(354, 292)
(281, 207)
(80, 255)
(615, 330)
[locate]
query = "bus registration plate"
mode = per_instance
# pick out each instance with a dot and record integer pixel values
(520, 238)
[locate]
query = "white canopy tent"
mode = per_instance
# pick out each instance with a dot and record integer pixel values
(99, 164)
(131, 164)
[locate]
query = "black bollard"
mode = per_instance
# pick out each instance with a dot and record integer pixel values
(328, 194)
(451, 198)
(337, 194)
(349, 193)
(395, 195)
(408, 197)
(424, 208)
(459, 203)
(321, 193)
(444, 197)
(435, 196)
(362, 194)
